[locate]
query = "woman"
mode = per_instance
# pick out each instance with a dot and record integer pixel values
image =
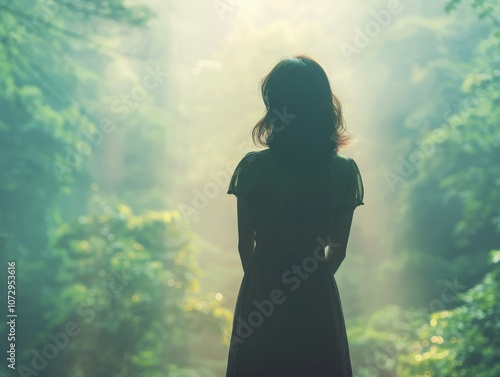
(294, 199)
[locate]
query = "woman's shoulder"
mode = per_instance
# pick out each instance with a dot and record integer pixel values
(252, 161)
(341, 159)
(256, 155)
(264, 155)
(262, 152)
(345, 164)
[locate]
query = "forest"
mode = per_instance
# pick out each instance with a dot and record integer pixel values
(121, 123)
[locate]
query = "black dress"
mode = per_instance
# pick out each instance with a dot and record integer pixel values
(288, 318)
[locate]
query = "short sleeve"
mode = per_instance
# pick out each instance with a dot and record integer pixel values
(244, 179)
(355, 191)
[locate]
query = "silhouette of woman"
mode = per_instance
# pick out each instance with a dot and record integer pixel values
(295, 203)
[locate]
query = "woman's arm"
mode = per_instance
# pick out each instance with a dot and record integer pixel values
(246, 231)
(336, 252)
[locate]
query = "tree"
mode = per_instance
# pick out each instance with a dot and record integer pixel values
(463, 341)
(128, 285)
(46, 87)
(450, 205)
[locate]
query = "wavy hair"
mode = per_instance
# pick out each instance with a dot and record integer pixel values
(303, 119)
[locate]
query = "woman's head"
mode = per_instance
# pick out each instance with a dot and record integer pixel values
(303, 118)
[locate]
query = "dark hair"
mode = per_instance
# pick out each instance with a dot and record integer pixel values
(303, 121)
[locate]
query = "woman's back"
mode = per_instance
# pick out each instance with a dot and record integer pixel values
(294, 207)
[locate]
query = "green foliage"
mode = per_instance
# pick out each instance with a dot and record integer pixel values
(131, 284)
(463, 341)
(48, 98)
(45, 86)
(376, 342)
(451, 204)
